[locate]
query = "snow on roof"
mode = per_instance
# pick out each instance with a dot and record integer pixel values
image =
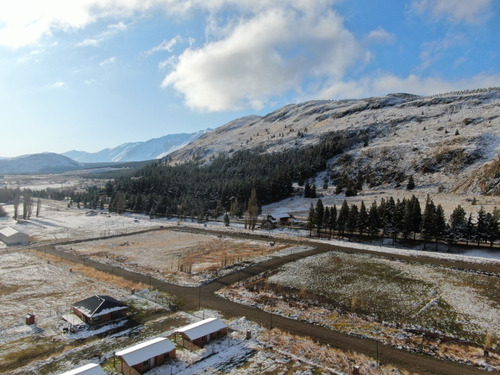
(205, 327)
(99, 305)
(145, 350)
(89, 369)
(8, 232)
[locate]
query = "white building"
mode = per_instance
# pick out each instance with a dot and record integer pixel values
(90, 369)
(12, 237)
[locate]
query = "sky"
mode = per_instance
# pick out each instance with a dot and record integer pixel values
(91, 74)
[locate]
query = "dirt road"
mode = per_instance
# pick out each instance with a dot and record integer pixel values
(203, 296)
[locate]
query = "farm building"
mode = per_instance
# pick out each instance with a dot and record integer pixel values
(202, 332)
(90, 369)
(12, 237)
(99, 309)
(143, 357)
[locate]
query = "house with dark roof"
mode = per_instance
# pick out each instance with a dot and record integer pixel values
(99, 309)
(143, 357)
(201, 333)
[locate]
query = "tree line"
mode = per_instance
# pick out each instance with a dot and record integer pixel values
(405, 219)
(16, 197)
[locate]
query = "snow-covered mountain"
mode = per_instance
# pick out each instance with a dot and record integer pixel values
(38, 163)
(155, 148)
(450, 142)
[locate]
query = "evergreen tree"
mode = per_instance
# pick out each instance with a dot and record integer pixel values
(428, 220)
(469, 230)
(440, 224)
(253, 209)
(481, 226)
(307, 190)
(226, 219)
(411, 184)
(332, 224)
(310, 219)
(416, 215)
(362, 219)
(493, 220)
(352, 219)
(342, 218)
(373, 220)
(458, 224)
(319, 214)
(3, 213)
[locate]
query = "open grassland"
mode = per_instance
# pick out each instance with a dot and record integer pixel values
(180, 257)
(441, 311)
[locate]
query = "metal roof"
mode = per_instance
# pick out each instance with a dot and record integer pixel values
(146, 350)
(203, 328)
(99, 305)
(90, 369)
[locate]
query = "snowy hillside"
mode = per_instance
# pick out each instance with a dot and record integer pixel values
(449, 141)
(137, 151)
(38, 163)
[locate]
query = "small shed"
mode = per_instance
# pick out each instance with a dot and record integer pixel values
(13, 237)
(99, 309)
(90, 369)
(202, 332)
(145, 356)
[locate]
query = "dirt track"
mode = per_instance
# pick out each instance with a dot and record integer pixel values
(204, 297)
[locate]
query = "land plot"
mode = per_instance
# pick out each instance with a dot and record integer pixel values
(180, 257)
(441, 311)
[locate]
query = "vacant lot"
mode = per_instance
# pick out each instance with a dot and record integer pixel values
(180, 257)
(441, 311)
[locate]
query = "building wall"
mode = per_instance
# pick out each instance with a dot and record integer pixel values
(141, 368)
(102, 319)
(204, 340)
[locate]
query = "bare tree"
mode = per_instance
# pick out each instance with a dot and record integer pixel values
(27, 204)
(16, 203)
(38, 206)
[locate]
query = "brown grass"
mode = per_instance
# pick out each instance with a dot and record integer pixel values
(92, 272)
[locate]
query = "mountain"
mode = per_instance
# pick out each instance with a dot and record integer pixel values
(450, 142)
(38, 163)
(137, 151)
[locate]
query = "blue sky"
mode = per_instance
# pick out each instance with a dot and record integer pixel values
(91, 74)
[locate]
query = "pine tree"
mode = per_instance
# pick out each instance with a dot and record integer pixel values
(253, 209)
(416, 214)
(481, 226)
(458, 224)
(342, 218)
(319, 215)
(362, 219)
(373, 220)
(411, 183)
(352, 219)
(310, 219)
(332, 224)
(440, 224)
(428, 220)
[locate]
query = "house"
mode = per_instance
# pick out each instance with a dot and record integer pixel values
(288, 220)
(99, 309)
(143, 357)
(202, 332)
(12, 237)
(90, 369)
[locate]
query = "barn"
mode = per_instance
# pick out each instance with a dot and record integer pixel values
(99, 309)
(13, 237)
(143, 357)
(201, 333)
(90, 369)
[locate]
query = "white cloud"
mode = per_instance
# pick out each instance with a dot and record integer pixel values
(264, 55)
(58, 85)
(469, 11)
(120, 26)
(109, 61)
(166, 45)
(381, 36)
(413, 84)
(89, 43)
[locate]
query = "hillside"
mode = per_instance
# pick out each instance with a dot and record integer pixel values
(38, 163)
(449, 141)
(155, 148)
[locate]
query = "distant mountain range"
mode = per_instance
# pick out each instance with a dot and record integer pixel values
(38, 163)
(47, 162)
(155, 148)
